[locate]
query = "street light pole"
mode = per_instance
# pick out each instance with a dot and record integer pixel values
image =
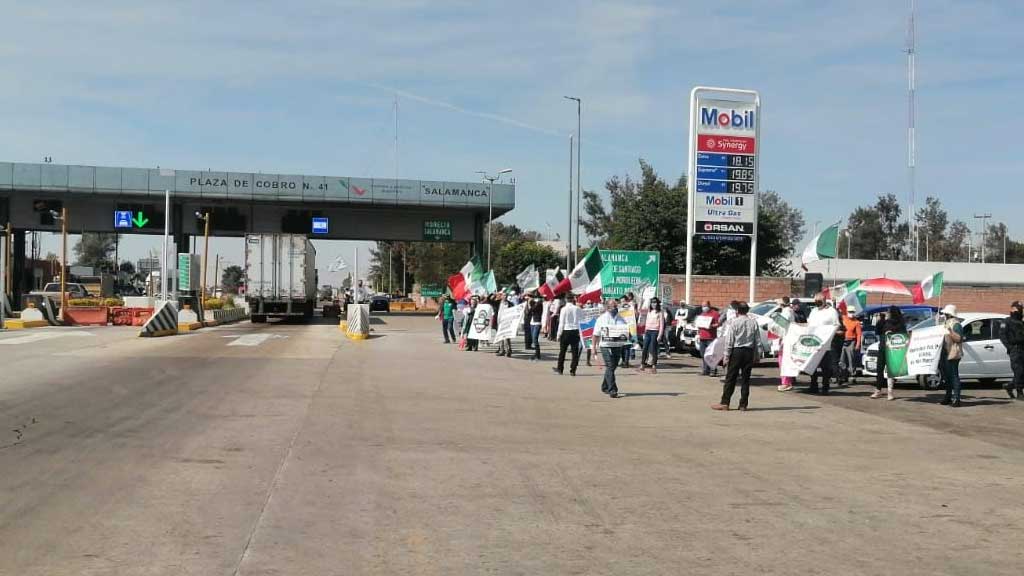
(984, 232)
(63, 261)
(490, 206)
(579, 170)
(568, 240)
(206, 252)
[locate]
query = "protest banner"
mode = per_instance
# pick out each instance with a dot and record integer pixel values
(924, 350)
(480, 329)
(896, 345)
(588, 319)
(509, 321)
(804, 347)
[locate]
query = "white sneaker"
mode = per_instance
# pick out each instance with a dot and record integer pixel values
(877, 394)
(891, 397)
(785, 387)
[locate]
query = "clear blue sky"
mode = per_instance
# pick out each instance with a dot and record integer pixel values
(310, 87)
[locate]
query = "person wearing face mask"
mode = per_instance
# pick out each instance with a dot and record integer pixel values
(707, 335)
(1012, 337)
(952, 352)
(787, 316)
(611, 334)
(654, 327)
(824, 315)
(534, 315)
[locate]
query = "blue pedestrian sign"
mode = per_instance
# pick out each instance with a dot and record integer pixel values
(122, 219)
(320, 225)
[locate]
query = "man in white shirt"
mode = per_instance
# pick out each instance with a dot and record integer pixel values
(823, 314)
(568, 335)
(611, 334)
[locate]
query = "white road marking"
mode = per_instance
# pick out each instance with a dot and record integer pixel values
(40, 336)
(252, 339)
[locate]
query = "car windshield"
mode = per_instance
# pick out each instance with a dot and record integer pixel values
(926, 323)
(763, 308)
(52, 287)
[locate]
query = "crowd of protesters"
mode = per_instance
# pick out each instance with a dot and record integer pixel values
(738, 338)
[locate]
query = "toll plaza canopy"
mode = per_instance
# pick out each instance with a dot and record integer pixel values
(101, 199)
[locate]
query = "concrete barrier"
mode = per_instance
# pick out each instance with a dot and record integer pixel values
(188, 320)
(163, 322)
(225, 316)
(358, 327)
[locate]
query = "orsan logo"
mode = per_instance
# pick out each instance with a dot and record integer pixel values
(897, 340)
(716, 227)
(723, 200)
(715, 118)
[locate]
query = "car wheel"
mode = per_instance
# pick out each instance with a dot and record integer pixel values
(930, 381)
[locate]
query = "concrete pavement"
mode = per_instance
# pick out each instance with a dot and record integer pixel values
(286, 449)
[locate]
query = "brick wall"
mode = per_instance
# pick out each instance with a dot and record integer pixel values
(720, 290)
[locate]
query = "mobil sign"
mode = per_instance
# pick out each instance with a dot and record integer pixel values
(724, 164)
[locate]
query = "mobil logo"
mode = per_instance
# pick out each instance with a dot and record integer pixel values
(715, 117)
(714, 200)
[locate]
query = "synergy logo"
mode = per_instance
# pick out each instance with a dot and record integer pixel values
(723, 200)
(711, 117)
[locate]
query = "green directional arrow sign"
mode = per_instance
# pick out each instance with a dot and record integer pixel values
(140, 220)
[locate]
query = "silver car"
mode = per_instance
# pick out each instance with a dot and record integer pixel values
(985, 357)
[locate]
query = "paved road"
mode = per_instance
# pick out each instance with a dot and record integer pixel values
(284, 449)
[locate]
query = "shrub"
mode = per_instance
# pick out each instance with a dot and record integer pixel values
(112, 302)
(82, 302)
(229, 301)
(214, 304)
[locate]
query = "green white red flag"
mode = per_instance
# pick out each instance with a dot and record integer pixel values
(583, 274)
(552, 278)
(929, 288)
(459, 284)
(590, 293)
(821, 246)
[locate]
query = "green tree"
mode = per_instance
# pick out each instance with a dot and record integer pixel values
(997, 241)
(955, 243)
(95, 249)
(649, 214)
(878, 231)
(231, 279)
(932, 223)
(518, 254)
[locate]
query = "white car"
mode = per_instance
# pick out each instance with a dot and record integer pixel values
(985, 357)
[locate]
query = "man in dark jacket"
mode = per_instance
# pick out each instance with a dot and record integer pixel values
(1012, 337)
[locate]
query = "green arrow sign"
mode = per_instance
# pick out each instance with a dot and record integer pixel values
(140, 220)
(624, 269)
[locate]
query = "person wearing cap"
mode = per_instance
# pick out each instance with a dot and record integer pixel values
(852, 338)
(952, 352)
(1012, 337)
(824, 314)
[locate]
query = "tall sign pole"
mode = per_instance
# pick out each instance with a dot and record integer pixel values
(723, 172)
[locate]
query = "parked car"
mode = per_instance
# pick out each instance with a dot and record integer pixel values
(380, 303)
(913, 314)
(683, 334)
(52, 290)
(985, 357)
(759, 312)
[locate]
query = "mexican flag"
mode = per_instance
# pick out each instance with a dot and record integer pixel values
(590, 293)
(896, 345)
(583, 274)
(856, 301)
(459, 284)
(821, 246)
(552, 278)
(482, 284)
(528, 280)
(929, 288)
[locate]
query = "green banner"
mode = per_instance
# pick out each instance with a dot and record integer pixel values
(624, 269)
(437, 230)
(185, 272)
(430, 291)
(896, 345)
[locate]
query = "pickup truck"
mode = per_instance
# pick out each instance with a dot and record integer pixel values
(52, 290)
